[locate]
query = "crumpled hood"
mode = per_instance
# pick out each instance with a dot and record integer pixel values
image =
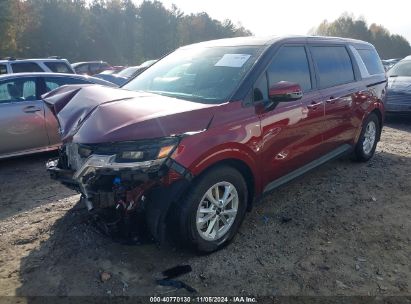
(98, 114)
(400, 83)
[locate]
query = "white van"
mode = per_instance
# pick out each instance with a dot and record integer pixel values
(52, 64)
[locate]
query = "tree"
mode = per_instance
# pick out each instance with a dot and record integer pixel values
(116, 31)
(387, 45)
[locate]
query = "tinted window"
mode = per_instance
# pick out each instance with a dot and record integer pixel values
(23, 67)
(20, 89)
(58, 67)
(261, 89)
(55, 82)
(372, 61)
(3, 69)
(290, 64)
(334, 65)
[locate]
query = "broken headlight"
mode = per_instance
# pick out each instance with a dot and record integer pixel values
(147, 153)
(131, 155)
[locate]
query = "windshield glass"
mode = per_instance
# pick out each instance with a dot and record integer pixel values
(402, 68)
(200, 74)
(128, 72)
(147, 63)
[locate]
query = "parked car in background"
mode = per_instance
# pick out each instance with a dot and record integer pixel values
(52, 64)
(26, 125)
(91, 67)
(399, 87)
(195, 139)
(128, 73)
(389, 63)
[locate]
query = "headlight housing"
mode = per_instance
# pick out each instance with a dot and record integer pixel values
(131, 155)
(133, 151)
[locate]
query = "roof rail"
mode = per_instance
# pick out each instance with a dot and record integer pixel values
(55, 57)
(9, 58)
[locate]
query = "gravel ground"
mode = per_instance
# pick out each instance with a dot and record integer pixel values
(343, 229)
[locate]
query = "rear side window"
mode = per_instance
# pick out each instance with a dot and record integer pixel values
(23, 67)
(15, 90)
(372, 61)
(3, 69)
(333, 64)
(55, 82)
(58, 67)
(290, 64)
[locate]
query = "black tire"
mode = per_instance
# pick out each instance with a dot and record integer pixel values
(185, 214)
(360, 153)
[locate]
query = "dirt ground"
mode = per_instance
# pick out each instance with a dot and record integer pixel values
(343, 229)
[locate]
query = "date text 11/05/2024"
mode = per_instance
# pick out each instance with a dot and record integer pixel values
(239, 299)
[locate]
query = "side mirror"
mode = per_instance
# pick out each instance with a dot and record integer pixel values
(285, 91)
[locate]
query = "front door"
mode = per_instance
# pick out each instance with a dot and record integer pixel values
(291, 131)
(22, 126)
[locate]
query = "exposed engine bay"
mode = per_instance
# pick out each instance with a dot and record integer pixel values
(116, 181)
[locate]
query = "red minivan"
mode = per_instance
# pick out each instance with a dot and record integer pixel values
(209, 129)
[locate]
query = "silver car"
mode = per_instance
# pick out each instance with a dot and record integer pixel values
(399, 87)
(26, 124)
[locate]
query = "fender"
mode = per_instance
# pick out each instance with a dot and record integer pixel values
(226, 152)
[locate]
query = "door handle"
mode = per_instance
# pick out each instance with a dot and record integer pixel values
(314, 105)
(31, 109)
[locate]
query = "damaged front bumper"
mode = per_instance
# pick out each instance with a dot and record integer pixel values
(117, 187)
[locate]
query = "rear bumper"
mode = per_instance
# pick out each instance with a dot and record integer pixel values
(397, 102)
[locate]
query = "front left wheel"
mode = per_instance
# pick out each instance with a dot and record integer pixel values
(213, 209)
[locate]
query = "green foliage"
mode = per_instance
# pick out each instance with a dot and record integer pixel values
(5, 20)
(116, 31)
(387, 45)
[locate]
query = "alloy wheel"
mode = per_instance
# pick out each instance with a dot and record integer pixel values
(217, 211)
(369, 137)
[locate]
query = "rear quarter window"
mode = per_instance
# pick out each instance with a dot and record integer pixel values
(24, 67)
(58, 67)
(372, 61)
(334, 65)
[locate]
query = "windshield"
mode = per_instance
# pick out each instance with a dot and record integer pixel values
(128, 72)
(147, 63)
(402, 68)
(207, 75)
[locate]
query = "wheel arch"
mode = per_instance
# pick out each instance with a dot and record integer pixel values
(244, 169)
(379, 113)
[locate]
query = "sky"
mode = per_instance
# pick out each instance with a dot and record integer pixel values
(291, 17)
